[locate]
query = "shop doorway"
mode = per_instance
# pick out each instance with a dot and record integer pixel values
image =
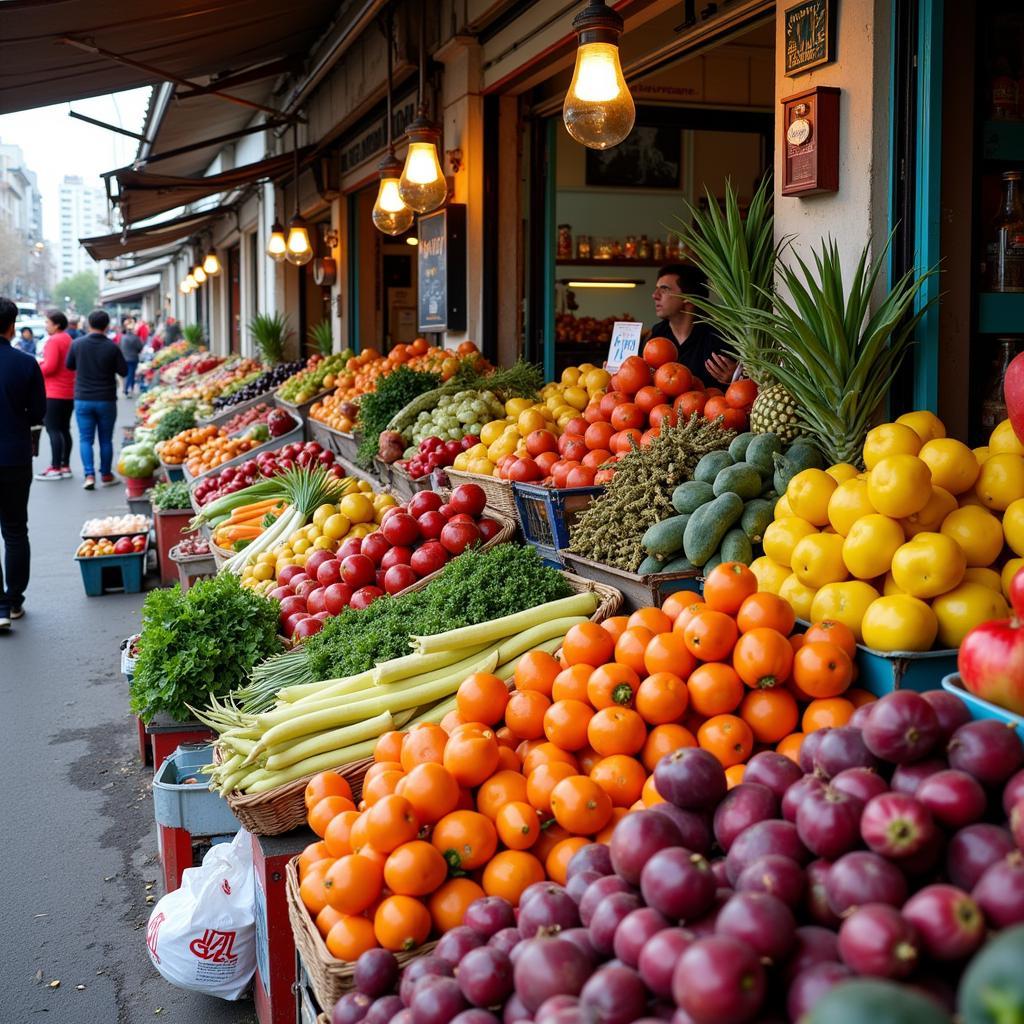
(234, 300)
(314, 299)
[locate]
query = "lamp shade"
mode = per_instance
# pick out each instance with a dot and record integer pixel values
(211, 264)
(277, 245)
(299, 249)
(422, 186)
(390, 214)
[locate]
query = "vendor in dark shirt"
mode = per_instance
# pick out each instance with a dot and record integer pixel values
(701, 351)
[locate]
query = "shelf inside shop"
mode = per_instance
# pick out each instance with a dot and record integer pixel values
(1001, 312)
(613, 261)
(1004, 140)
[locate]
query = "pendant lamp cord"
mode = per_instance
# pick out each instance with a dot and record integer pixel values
(422, 104)
(388, 32)
(295, 150)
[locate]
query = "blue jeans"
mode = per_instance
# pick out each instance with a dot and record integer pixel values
(129, 381)
(93, 418)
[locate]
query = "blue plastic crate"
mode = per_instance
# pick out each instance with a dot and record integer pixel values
(112, 572)
(546, 514)
(980, 708)
(882, 672)
(182, 799)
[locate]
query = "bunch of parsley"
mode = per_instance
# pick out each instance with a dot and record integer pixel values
(198, 644)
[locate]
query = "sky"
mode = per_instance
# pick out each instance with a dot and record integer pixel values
(55, 144)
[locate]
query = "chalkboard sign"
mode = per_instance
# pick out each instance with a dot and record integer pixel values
(810, 35)
(441, 257)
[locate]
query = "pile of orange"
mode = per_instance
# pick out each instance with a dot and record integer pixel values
(510, 785)
(203, 448)
(188, 442)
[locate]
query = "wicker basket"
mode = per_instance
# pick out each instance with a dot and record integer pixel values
(499, 492)
(329, 978)
(220, 555)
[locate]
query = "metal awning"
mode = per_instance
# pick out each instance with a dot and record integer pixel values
(139, 269)
(130, 289)
(60, 50)
(152, 236)
(142, 194)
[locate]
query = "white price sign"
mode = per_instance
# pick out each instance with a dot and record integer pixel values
(625, 343)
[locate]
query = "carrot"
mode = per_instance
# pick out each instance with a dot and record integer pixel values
(252, 508)
(242, 532)
(255, 517)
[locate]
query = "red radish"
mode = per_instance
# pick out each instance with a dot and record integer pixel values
(827, 822)
(863, 783)
(988, 749)
(719, 980)
(779, 876)
(902, 727)
(742, 806)
(896, 825)
(991, 662)
(973, 850)
(876, 940)
(691, 778)
(949, 922)
(954, 798)
(1000, 891)
(760, 920)
(861, 877)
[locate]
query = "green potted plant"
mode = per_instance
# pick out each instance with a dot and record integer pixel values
(322, 337)
(270, 334)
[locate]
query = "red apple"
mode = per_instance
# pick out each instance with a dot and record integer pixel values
(316, 601)
(431, 523)
(375, 546)
(1013, 392)
(398, 577)
(357, 570)
(1017, 592)
(337, 597)
(305, 587)
(991, 662)
(329, 572)
(365, 596)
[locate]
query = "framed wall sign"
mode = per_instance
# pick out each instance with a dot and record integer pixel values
(810, 35)
(810, 141)
(441, 265)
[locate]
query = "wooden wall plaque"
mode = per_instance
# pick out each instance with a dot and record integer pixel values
(810, 142)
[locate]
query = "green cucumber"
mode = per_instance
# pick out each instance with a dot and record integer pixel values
(664, 539)
(800, 456)
(738, 448)
(651, 564)
(757, 514)
(709, 524)
(715, 560)
(690, 495)
(711, 465)
(736, 547)
(992, 987)
(871, 1001)
(760, 452)
(742, 479)
(681, 564)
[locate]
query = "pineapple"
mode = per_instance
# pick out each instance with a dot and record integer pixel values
(774, 412)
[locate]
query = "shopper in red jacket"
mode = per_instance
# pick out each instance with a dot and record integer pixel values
(60, 396)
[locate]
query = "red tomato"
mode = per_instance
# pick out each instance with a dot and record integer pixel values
(735, 419)
(468, 498)
(580, 476)
(539, 441)
(596, 458)
(610, 400)
(602, 476)
(523, 470)
(673, 379)
(690, 402)
(716, 406)
(572, 447)
(546, 460)
(577, 425)
(621, 441)
(662, 413)
(647, 398)
(592, 413)
(456, 537)
(598, 435)
(740, 394)
(560, 470)
(628, 416)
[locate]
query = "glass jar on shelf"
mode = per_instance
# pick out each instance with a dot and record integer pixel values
(604, 249)
(564, 251)
(583, 250)
(1006, 264)
(629, 250)
(616, 248)
(993, 406)
(659, 250)
(643, 250)
(1004, 90)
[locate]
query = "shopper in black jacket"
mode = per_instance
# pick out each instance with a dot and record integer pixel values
(97, 363)
(22, 406)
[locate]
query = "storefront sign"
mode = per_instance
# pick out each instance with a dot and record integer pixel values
(370, 142)
(810, 35)
(625, 343)
(441, 261)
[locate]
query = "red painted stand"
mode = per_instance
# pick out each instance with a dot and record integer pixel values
(166, 735)
(175, 846)
(145, 750)
(169, 530)
(273, 991)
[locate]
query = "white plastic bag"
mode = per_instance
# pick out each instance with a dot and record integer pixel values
(202, 937)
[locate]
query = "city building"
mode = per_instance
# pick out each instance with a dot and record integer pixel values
(21, 207)
(83, 212)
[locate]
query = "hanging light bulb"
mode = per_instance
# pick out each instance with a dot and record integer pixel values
(277, 246)
(299, 250)
(211, 264)
(191, 282)
(390, 214)
(199, 274)
(184, 288)
(598, 109)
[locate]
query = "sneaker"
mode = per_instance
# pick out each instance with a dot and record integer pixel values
(18, 613)
(50, 474)
(109, 480)
(5, 622)
(65, 472)
(89, 484)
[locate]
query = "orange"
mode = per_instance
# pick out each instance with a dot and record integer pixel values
(389, 746)
(822, 669)
(728, 585)
(826, 713)
(350, 937)
(605, 835)
(650, 795)
(662, 740)
(790, 746)
(662, 697)
(415, 869)
(401, 923)
(612, 685)
(381, 785)
(766, 610)
(508, 759)
(471, 754)
(571, 683)
(325, 784)
(432, 791)
(501, 788)
(336, 838)
(587, 643)
(390, 822)
(616, 731)
(653, 619)
(312, 889)
(771, 714)
(715, 689)
(557, 862)
(836, 632)
(580, 805)
(310, 855)
(518, 825)
(451, 721)
(327, 919)
(763, 658)
(448, 905)
(688, 610)
(734, 774)
(858, 697)
(353, 883)
(729, 738)
(667, 652)
(506, 738)
(676, 602)
(323, 811)
(357, 837)
(546, 753)
(510, 872)
(378, 767)
(524, 714)
(424, 742)
(565, 723)
(630, 647)
(536, 670)
(621, 777)
(482, 697)
(543, 779)
(710, 635)
(466, 839)
(615, 625)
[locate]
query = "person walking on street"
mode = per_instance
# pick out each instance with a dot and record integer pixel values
(22, 406)
(26, 342)
(60, 396)
(73, 321)
(131, 346)
(98, 363)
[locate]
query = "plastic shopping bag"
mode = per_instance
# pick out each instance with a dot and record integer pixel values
(202, 937)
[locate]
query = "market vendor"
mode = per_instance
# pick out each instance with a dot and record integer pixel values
(701, 350)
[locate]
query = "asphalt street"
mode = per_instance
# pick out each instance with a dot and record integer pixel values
(77, 838)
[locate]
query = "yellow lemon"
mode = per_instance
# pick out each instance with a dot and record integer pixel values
(782, 509)
(312, 531)
(490, 432)
(845, 603)
(783, 535)
(925, 424)
(357, 507)
(977, 531)
(953, 465)
(300, 558)
(770, 575)
(362, 530)
(842, 471)
(899, 485)
(364, 487)
(585, 368)
(571, 375)
(1012, 567)
(964, 607)
(576, 397)
(889, 586)
(981, 454)
(889, 439)
(461, 462)
(530, 420)
(849, 502)
(595, 380)
(300, 547)
(548, 414)
(899, 623)
(801, 597)
(482, 466)
(986, 577)
(385, 500)
(337, 526)
(1001, 480)
(928, 565)
(818, 559)
(870, 545)
(808, 493)
(929, 519)
(322, 514)
(552, 402)
(1013, 526)
(1003, 440)
(514, 406)
(325, 544)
